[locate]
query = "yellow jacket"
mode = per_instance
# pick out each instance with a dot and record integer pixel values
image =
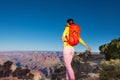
(66, 33)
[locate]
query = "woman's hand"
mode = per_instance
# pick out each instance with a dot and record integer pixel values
(63, 39)
(88, 48)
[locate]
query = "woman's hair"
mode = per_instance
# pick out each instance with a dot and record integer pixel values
(70, 21)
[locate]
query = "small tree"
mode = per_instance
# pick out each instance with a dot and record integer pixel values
(111, 50)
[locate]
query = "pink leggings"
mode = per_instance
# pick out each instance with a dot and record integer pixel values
(68, 54)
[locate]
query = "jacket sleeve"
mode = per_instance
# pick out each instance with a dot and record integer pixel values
(66, 32)
(82, 42)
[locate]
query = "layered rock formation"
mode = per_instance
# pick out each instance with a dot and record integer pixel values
(34, 60)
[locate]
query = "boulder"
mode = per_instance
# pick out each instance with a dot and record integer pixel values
(37, 75)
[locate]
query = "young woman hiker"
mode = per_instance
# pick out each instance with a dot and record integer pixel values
(68, 50)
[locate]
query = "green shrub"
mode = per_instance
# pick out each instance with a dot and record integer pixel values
(111, 50)
(110, 70)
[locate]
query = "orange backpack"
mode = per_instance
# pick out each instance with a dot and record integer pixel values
(74, 34)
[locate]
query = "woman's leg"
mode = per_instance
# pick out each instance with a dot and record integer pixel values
(67, 75)
(70, 71)
(67, 56)
(65, 52)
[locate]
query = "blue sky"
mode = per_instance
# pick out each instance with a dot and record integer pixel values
(38, 24)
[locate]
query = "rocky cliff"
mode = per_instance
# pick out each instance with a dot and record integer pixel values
(47, 66)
